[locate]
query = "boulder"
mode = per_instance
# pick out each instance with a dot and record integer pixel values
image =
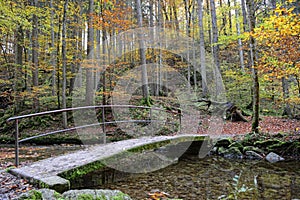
(47, 194)
(252, 148)
(273, 157)
(225, 142)
(236, 144)
(233, 153)
(95, 194)
(253, 155)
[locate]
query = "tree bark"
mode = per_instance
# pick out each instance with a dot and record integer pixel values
(18, 85)
(245, 18)
(251, 15)
(90, 56)
(35, 57)
(215, 36)
(285, 89)
(53, 53)
(64, 63)
(240, 44)
(145, 88)
(202, 49)
(229, 17)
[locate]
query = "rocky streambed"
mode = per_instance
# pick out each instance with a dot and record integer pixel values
(215, 177)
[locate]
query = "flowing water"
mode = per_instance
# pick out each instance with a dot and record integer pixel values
(216, 178)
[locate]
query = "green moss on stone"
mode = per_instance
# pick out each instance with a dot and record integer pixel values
(279, 146)
(82, 170)
(32, 195)
(120, 196)
(225, 142)
(252, 148)
(266, 143)
(236, 144)
(151, 146)
(89, 197)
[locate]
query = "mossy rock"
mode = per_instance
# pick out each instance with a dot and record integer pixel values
(42, 194)
(281, 146)
(233, 153)
(266, 143)
(86, 194)
(225, 142)
(252, 148)
(221, 150)
(237, 144)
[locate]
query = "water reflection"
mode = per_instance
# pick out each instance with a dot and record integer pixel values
(217, 178)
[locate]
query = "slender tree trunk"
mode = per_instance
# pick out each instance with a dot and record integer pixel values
(90, 56)
(79, 47)
(53, 53)
(176, 21)
(208, 21)
(202, 49)
(97, 56)
(229, 17)
(18, 86)
(35, 58)
(104, 52)
(64, 64)
(244, 13)
(145, 88)
(215, 36)
(58, 64)
(251, 14)
(286, 94)
(187, 8)
(223, 26)
(240, 44)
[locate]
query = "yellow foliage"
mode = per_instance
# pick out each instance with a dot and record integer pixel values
(279, 39)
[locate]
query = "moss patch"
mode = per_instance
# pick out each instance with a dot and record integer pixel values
(82, 170)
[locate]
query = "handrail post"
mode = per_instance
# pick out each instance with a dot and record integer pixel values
(17, 144)
(103, 121)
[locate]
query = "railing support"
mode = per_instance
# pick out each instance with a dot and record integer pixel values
(17, 144)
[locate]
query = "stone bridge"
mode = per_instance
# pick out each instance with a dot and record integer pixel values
(113, 160)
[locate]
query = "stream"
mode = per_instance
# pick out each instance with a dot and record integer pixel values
(216, 178)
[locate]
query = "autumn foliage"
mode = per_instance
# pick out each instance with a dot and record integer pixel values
(278, 38)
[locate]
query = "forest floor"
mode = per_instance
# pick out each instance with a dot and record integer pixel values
(12, 186)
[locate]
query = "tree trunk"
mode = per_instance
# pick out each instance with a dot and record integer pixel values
(223, 26)
(64, 64)
(215, 37)
(255, 120)
(229, 17)
(145, 88)
(35, 58)
(238, 31)
(285, 89)
(187, 7)
(208, 21)
(90, 56)
(202, 49)
(18, 85)
(53, 53)
(244, 13)
(58, 64)
(104, 52)
(176, 21)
